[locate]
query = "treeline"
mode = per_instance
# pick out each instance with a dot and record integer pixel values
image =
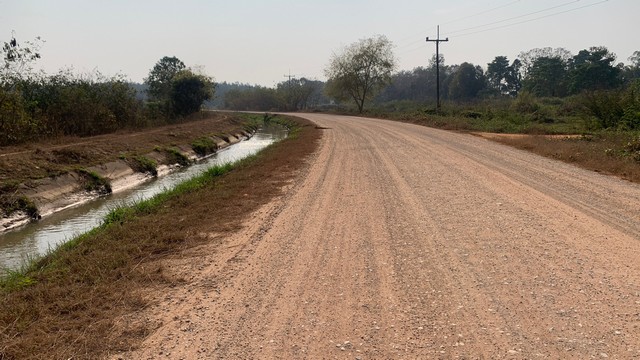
(35, 106)
(589, 83)
(290, 95)
(543, 72)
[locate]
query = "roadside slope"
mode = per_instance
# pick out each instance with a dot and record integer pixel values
(407, 242)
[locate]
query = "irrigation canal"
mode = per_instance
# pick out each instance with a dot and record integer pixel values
(36, 238)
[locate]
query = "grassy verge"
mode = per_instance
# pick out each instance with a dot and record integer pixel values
(66, 305)
(609, 153)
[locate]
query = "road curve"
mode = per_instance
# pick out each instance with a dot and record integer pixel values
(405, 242)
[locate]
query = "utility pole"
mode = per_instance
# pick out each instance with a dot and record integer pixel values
(290, 95)
(437, 41)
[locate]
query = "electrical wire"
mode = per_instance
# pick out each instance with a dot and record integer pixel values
(513, 24)
(481, 13)
(534, 19)
(513, 18)
(460, 19)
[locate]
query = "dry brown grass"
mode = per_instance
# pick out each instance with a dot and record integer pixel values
(72, 307)
(606, 153)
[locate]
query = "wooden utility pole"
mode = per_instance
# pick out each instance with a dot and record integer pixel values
(290, 95)
(437, 41)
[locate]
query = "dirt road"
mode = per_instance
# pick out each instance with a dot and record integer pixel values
(404, 242)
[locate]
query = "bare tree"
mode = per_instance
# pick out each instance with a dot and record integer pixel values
(360, 70)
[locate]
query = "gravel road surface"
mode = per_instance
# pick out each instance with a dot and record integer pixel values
(405, 242)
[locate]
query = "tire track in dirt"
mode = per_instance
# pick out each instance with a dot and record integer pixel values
(408, 242)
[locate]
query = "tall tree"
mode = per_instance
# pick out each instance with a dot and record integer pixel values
(547, 76)
(360, 70)
(161, 75)
(467, 82)
(16, 60)
(189, 91)
(528, 58)
(632, 71)
(594, 69)
(497, 73)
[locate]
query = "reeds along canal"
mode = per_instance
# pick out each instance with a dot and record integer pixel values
(36, 238)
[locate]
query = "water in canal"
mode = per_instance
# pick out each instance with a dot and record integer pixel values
(37, 238)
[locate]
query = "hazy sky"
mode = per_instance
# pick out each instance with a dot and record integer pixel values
(260, 41)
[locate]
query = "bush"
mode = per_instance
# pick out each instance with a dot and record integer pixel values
(204, 146)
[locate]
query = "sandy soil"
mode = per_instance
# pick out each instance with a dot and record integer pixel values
(406, 242)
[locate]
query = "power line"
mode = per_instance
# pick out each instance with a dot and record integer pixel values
(513, 18)
(534, 19)
(482, 12)
(458, 19)
(516, 23)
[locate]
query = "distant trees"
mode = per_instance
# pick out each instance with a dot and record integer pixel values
(360, 70)
(288, 95)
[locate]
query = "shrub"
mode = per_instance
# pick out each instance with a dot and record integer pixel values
(204, 146)
(95, 182)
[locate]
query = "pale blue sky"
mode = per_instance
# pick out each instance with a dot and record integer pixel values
(260, 41)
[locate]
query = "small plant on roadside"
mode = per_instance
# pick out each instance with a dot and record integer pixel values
(143, 164)
(93, 182)
(632, 149)
(204, 146)
(176, 157)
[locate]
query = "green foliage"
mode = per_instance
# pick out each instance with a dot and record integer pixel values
(160, 79)
(143, 164)
(257, 98)
(189, 91)
(95, 182)
(614, 109)
(525, 103)
(11, 203)
(177, 157)
(632, 148)
(593, 69)
(547, 76)
(66, 104)
(467, 82)
(204, 146)
(361, 70)
(504, 78)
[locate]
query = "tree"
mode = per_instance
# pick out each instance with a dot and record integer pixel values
(528, 58)
(160, 77)
(189, 91)
(497, 73)
(594, 69)
(632, 71)
(16, 60)
(360, 70)
(467, 82)
(547, 76)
